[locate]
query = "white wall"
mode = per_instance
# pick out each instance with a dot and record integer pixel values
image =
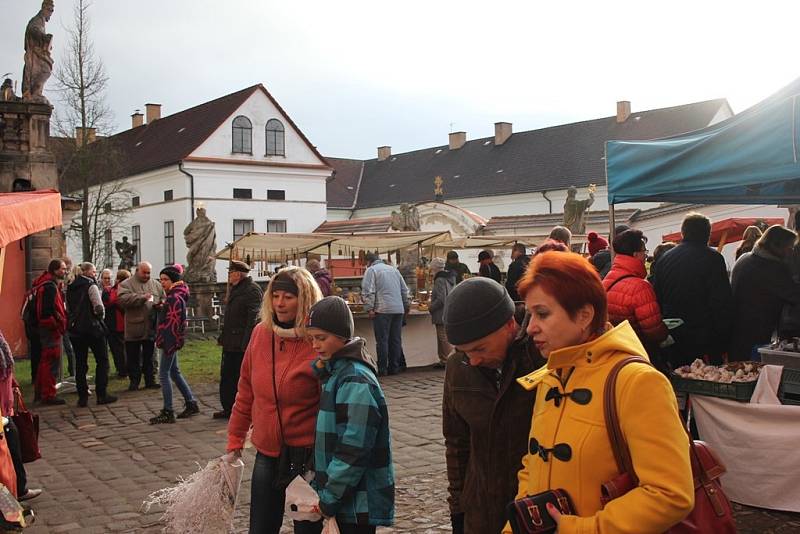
(259, 109)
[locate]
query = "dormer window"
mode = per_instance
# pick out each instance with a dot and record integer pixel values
(275, 138)
(242, 135)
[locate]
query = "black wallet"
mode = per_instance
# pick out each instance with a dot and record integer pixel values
(529, 515)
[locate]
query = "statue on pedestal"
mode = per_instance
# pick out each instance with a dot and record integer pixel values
(127, 254)
(201, 240)
(575, 210)
(38, 59)
(407, 219)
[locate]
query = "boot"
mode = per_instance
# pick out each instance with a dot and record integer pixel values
(190, 410)
(165, 416)
(106, 399)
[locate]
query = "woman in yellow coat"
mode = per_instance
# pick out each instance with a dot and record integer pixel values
(567, 303)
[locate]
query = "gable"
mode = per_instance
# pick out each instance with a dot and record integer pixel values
(259, 108)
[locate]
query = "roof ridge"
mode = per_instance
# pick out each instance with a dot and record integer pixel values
(555, 126)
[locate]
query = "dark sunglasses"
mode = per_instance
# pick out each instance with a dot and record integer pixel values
(561, 451)
(580, 396)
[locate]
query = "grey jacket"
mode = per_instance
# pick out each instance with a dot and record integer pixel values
(443, 283)
(139, 311)
(384, 290)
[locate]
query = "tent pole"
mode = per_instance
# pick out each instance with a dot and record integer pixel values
(611, 225)
(330, 263)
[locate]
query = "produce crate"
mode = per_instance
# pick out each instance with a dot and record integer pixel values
(740, 391)
(789, 391)
(790, 360)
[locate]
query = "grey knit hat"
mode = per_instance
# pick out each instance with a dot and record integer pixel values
(332, 315)
(474, 309)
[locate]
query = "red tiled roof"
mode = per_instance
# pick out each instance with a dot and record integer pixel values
(369, 224)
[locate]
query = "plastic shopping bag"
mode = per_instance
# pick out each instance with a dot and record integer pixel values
(202, 503)
(302, 504)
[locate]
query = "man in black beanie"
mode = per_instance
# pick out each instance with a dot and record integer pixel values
(486, 416)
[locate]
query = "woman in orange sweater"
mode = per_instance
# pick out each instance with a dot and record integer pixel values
(278, 395)
(569, 447)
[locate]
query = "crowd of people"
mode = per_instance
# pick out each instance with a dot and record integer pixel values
(526, 364)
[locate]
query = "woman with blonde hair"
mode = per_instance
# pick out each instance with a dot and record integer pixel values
(749, 237)
(278, 395)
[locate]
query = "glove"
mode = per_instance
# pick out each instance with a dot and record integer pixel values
(457, 522)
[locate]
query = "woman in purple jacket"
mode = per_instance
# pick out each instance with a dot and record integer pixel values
(170, 335)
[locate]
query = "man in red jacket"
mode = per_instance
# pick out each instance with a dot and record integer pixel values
(630, 296)
(51, 323)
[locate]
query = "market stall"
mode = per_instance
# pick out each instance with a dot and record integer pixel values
(751, 158)
(728, 230)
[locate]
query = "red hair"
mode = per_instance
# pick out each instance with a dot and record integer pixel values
(571, 280)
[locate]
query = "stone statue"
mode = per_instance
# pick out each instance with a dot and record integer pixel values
(201, 240)
(575, 210)
(38, 60)
(127, 254)
(7, 91)
(407, 220)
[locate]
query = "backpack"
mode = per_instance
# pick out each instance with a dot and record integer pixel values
(28, 311)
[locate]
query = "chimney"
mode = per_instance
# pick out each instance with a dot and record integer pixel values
(153, 112)
(137, 119)
(384, 152)
(623, 110)
(502, 131)
(457, 140)
(90, 134)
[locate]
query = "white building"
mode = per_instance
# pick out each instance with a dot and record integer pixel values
(241, 156)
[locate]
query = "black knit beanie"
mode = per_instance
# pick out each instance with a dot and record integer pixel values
(332, 315)
(476, 308)
(171, 272)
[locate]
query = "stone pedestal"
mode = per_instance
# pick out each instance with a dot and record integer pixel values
(27, 163)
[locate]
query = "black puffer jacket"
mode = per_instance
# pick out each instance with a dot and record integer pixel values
(691, 283)
(241, 315)
(762, 284)
(515, 272)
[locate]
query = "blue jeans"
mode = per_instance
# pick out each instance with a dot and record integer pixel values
(388, 329)
(267, 502)
(168, 369)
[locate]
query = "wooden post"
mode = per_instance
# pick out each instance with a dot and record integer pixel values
(2, 265)
(330, 265)
(612, 224)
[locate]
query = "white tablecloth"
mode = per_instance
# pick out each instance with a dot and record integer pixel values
(759, 445)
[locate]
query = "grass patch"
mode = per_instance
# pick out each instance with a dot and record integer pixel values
(199, 361)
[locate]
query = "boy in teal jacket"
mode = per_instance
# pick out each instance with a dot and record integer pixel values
(352, 453)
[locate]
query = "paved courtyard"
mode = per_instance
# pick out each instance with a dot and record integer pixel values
(99, 463)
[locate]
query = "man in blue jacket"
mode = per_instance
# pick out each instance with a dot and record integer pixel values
(386, 300)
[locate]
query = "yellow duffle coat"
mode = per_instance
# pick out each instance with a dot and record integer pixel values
(649, 420)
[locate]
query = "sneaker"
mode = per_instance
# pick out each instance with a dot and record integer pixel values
(83, 402)
(190, 410)
(165, 416)
(32, 493)
(106, 399)
(222, 414)
(54, 401)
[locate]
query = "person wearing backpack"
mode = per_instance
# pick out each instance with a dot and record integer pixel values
(46, 329)
(87, 330)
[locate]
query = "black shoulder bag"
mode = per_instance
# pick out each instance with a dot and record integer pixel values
(292, 461)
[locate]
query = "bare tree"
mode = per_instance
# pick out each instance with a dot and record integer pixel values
(89, 171)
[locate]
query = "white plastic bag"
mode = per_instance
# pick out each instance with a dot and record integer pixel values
(302, 502)
(202, 503)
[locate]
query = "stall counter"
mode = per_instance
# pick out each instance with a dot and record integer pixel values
(419, 337)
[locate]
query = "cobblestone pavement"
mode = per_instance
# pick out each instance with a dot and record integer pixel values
(99, 463)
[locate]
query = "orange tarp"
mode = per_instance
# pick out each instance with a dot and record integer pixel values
(23, 214)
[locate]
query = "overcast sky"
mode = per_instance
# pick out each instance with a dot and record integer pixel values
(354, 75)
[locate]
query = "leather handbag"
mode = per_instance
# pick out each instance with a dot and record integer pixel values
(712, 510)
(529, 515)
(27, 424)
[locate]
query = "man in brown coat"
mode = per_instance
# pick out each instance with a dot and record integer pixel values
(486, 414)
(140, 297)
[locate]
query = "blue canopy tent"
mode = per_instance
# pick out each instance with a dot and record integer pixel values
(750, 158)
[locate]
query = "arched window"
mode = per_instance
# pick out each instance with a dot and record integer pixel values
(242, 135)
(275, 133)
